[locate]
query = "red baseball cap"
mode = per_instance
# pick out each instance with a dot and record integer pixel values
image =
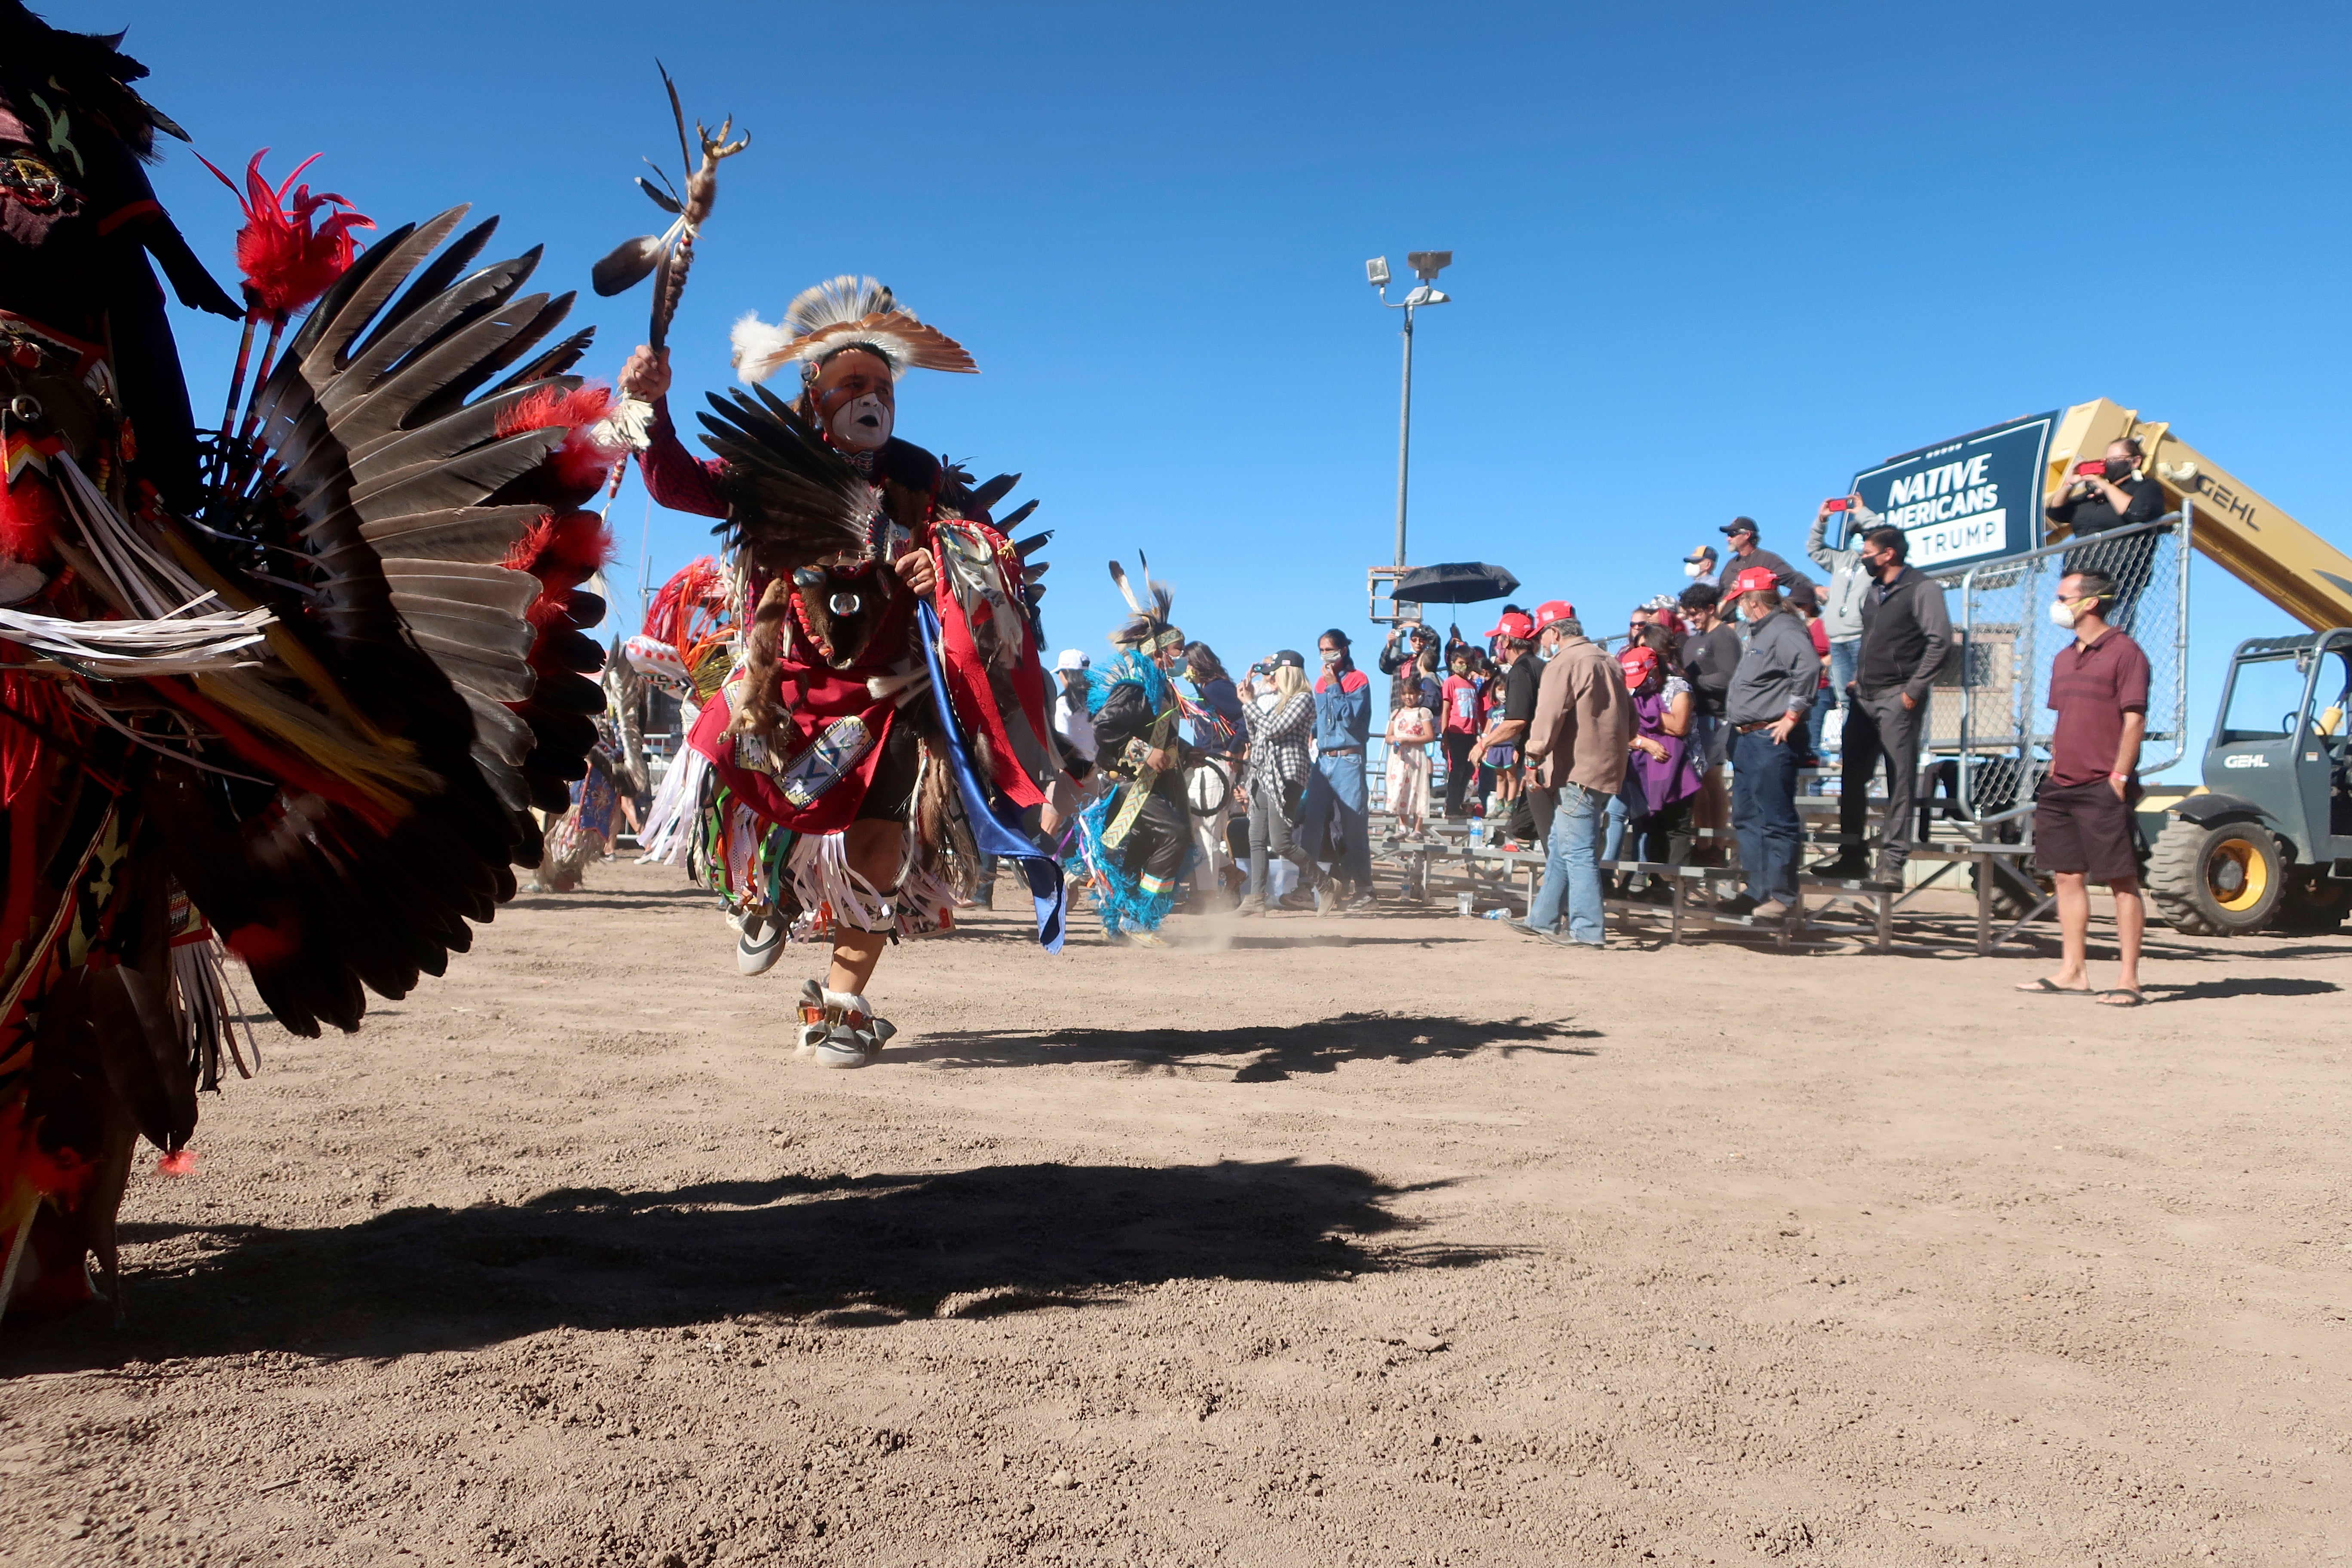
(1552, 610)
(1756, 579)
(1513, 625)
(1637, 662)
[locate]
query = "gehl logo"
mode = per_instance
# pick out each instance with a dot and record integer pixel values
(2246, 760)
(2228, 502)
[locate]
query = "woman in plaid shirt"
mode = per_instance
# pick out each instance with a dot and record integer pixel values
(1277, 781)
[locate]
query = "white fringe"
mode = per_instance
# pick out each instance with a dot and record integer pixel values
(146, 576)
(174, 643)
(675, 812)
(829, 894)
(630, 424)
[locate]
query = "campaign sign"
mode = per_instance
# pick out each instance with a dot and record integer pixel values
(1975, 498)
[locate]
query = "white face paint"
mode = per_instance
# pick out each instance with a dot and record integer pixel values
(863, 424)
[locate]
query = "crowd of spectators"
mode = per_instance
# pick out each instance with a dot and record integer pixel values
(1616, 761)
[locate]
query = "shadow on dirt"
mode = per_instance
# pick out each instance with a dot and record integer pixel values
(1282, 941)
(844, 1251)
(622, 898)
(2242, 985)
(1276, 1051)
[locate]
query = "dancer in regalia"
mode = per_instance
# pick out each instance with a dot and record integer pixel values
(883, 725)
(289, 689)
(1137, 834)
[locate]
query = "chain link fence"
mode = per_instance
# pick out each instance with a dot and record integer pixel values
(1989, 726)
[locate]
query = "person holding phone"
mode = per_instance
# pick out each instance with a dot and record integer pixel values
(1847, 519)
(2099, 498)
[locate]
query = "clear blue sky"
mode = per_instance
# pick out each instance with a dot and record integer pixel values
(1710, 258)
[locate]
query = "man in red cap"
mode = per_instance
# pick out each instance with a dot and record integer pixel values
(1578, 745)
(1509, 727)
(1771, 691)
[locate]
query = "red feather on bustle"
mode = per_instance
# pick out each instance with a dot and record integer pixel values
(579, 466)
(179, 1163)
(698, 586)
(563, 550)
(287, 262)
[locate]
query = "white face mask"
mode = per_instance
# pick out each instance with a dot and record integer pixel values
(863, 424)
(2063, 613)
(1694, 568)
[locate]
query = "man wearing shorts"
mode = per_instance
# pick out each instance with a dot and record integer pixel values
(2082, 812)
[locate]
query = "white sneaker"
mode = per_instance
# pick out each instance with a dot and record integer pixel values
(758, 945)
(838, 1029)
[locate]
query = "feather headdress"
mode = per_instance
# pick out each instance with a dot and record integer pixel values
(1147, 630)
(835, 315)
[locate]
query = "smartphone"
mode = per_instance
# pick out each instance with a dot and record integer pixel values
(2090, 470)
(1838, 503)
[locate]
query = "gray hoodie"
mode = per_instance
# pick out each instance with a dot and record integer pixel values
(1842, 600)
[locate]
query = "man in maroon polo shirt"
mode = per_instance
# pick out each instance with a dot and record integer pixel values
(2082, 814)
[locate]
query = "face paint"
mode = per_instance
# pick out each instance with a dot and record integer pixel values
(862, 425)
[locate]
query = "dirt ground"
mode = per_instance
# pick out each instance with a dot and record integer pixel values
(1393, 1239)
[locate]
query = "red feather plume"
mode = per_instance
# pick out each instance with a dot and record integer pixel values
(287, 261)
(574, 470)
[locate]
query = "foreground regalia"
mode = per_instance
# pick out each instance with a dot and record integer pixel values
(883, 726)
(291, 690)
(1138, 832)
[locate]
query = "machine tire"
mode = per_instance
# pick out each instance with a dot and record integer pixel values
(2314, 905)
(2222, 880)
(2008, 903)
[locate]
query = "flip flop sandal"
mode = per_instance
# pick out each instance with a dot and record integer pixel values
(2137, 999)
(2043, 987)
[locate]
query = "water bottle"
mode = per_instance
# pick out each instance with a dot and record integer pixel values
(1495, 914)
(1478, 833)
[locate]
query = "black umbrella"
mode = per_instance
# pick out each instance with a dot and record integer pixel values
(1454, 582)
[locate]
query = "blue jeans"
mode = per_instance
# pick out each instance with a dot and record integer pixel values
(1336, 791)
(1764, 815)
(1845, 663)
(1572, 866)
(1612, 839)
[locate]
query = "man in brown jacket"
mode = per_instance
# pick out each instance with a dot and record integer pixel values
(1578, 746)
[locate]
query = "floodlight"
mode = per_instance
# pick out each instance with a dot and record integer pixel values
(1427, 264)
(1376, 272)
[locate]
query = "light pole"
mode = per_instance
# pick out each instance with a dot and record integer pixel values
(1426, 265)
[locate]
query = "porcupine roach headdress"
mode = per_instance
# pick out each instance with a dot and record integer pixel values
(791, 498)
(837, 314)
(1147, 631)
